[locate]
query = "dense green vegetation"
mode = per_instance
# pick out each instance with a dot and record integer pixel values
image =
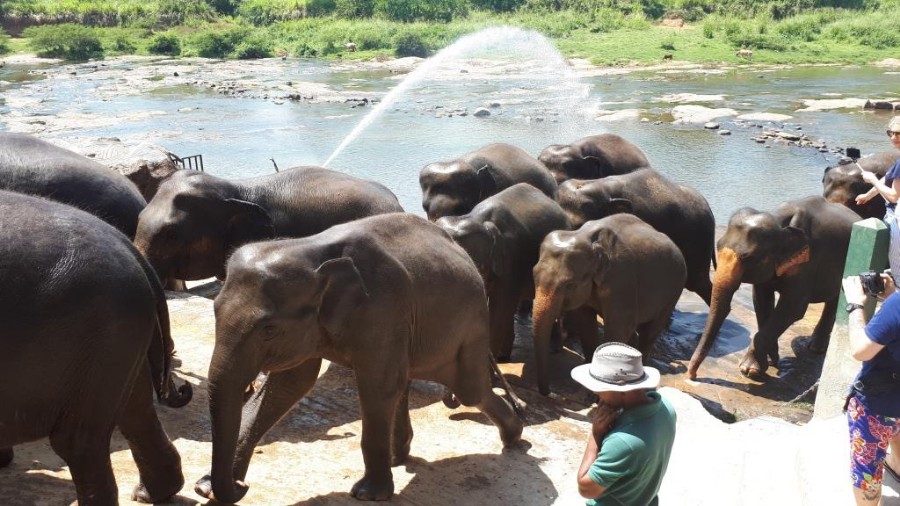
(604, 31)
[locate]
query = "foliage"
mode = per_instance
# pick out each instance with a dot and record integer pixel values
(67, 41)
(410, 44)
(164, 44)
(354, 8)
(267, 12)
(4, 42)
(421, 10)
(498, 5)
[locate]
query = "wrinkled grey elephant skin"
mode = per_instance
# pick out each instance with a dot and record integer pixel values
(593, 157)
(842, 183)
(678, 211)
(619, 268)
(798, 252)
(35, 167)
(196, 220)
(86, 339)
(453, 188)
(503, 235)
(382, 295)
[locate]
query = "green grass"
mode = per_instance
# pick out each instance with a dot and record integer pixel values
(602, 31)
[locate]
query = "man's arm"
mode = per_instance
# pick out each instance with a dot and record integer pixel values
(861, 347)
(604, 418)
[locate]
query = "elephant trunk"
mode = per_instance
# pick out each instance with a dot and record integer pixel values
(547, 308)
(727, 280)
(229, 374)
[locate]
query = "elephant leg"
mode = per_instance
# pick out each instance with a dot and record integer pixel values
(158, 462)
(85, 448)
(403, 432)
(471, 383)
(648, 333)
(763, 304)
(274, 398)
(503, 330)
(381, 385)
(6, 456)
(763, 350)
(698, 282)
(822, 333)
(583, 323)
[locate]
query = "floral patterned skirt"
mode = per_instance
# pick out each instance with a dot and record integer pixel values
(870, 435)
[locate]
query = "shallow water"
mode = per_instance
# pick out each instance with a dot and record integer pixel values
(533, 108)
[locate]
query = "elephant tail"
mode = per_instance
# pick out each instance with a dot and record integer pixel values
(162, 347)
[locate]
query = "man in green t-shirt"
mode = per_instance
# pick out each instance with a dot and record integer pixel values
(632, 433)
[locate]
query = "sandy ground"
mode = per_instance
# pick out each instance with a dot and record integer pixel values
(313, 456)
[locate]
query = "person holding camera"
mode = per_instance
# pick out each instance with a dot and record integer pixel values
(889, 188)
(873, 403)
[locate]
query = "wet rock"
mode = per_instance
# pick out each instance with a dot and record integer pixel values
(645, 120)
(788, 136)
(481, 112)
(494, 105)
(697, 114)
(712, 125)
(724, 132)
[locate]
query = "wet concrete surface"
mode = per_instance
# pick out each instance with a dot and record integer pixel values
(312, 456)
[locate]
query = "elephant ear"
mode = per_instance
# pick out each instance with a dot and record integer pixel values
(794, 248)
(342, 292)
(601, 248)
(487, 185)
(248, 222)
(498, 250)
(619, 205)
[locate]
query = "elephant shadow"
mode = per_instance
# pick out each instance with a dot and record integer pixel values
(511, 477)
(685, 329)
(334, 402)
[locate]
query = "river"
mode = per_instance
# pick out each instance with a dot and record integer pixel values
(187, 107)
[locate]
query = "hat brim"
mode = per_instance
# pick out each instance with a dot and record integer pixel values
(582, 375)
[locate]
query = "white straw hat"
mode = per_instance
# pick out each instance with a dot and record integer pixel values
(616, 367)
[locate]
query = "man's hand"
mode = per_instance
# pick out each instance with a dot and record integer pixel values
(862, 198)
(889, 286)
(853, 290)
(604, 419)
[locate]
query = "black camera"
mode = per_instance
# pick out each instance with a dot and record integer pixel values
(853, 153)
(872, 283)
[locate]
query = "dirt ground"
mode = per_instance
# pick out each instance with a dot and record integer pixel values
(312, 456)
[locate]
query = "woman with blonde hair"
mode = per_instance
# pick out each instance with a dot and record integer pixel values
(889, 188)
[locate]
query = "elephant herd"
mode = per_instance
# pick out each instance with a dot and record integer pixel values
(322, 265)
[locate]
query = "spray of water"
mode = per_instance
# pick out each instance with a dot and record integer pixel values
(533, 55)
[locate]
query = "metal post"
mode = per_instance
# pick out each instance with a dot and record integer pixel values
(867, 251)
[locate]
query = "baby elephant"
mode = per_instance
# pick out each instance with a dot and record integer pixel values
(620, 268)
(502, 235)
(391, 296)
(85, 336)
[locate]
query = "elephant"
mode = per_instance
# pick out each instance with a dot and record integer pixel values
(799, 252)
(593, 157)
(196, 220)
(617, 267)
(391, 296)
(452, 188)
(680, 212)
(842, 183)
(86, 341)
(503, 235)
(36, 167)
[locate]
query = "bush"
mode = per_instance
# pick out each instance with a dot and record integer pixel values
(212, 45)
(410, 44)
(421, 10)
(123, 45)
(164, 44)
(253, 47)
(4, 42)
(354, 8)
(68, 41)
(498, 5)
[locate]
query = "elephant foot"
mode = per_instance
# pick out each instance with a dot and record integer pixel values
(449, 399)
(178, 396)
(141, 494)
(511, 433)
(6, 456)
(752, 367)
(161, 482)
(399, 455)
(203, 488)
(373, 489)
(503, 358)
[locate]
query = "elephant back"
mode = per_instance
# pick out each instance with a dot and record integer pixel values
(306, 200)
(508, 165)
(842, 183)
(35, 167)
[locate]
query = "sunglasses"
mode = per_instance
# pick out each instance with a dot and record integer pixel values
(891, 133)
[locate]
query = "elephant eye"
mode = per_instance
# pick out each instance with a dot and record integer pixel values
(269, 332)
